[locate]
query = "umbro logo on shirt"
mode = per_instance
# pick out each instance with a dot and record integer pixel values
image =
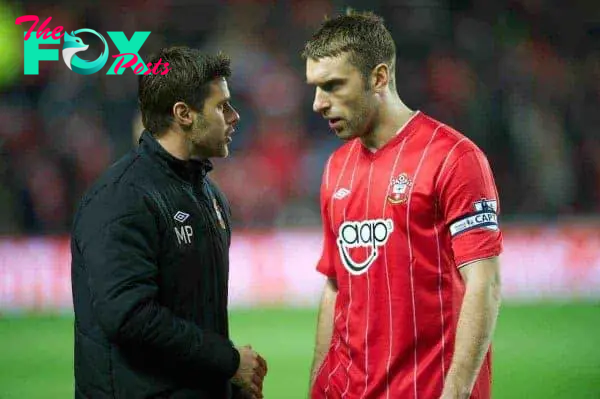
(181, 216)
(184, 233)
(341, 193)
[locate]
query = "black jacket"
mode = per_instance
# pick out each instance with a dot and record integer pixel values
(150, 268)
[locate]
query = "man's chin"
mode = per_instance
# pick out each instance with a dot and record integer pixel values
(224, 152)
(345, 134)
(221, 152)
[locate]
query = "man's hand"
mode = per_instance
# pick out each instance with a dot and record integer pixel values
(251, 372)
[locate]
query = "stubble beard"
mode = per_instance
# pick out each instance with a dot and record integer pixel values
(359, 125)
(198, 138)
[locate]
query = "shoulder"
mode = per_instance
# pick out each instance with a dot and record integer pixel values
(113, 200)
(447, 144)
(135, 172)
(116, 205)
(121, 191)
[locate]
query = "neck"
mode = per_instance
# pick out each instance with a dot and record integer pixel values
(392, 115)
(175, 144)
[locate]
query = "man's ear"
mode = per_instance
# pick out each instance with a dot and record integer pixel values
(182, 114)
(380, 77)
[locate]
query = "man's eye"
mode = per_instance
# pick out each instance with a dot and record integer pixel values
(329, 87)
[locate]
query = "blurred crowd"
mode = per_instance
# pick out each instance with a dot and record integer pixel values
(520, 78)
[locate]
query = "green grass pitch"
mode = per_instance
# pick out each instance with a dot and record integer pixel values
(541, 351)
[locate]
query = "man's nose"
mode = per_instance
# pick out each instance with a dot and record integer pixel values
(234, 118)
(321, 102)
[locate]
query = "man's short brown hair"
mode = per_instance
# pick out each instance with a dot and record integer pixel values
(188, 80)
(362, 35)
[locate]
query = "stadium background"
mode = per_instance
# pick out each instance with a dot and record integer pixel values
(521, 78)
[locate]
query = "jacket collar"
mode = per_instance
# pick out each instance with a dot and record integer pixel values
(186, 170)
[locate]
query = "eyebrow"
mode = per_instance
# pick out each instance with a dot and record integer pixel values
(327, 82)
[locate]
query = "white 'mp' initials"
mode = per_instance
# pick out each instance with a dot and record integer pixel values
(184, 234)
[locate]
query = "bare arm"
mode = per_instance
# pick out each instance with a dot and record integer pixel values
(476, 325)
(324, 326)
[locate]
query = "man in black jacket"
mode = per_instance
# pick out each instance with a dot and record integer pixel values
(150, 247)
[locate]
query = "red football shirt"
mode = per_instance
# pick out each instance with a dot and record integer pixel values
(398, 224)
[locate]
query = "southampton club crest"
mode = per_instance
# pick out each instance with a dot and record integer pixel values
(399, 189)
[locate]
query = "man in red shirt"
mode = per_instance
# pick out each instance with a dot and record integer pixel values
(411, 237)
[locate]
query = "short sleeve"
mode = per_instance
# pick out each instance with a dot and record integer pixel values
(470, 205)
(326, 264)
